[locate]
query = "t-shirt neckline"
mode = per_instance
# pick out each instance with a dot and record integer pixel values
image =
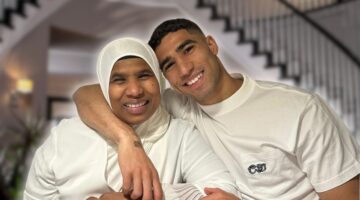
(234, 101)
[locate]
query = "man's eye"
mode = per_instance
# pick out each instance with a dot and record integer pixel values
(188, 49)
(168, 66)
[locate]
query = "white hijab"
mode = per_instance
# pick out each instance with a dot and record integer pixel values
(156, 126)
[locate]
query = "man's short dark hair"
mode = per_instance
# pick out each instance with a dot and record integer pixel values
(169, 26)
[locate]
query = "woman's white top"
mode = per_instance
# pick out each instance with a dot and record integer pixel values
(75, 163)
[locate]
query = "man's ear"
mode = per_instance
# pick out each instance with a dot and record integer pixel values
(212, 44)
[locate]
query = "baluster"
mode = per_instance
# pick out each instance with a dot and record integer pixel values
(258, 20)
(306, 75)
(231, 16)
(264, 31)
(331, 69)
(252, 18)
(349, 90)
(343, 85)
(2, 7)
(276, 32)
(238, 18)
(246, 11)
(338, 74)
(357, 77)
(299, 52)
(352, 18)
(289, 44)
(357, 101)
(357, 31)
(282, 38)
(348, 85)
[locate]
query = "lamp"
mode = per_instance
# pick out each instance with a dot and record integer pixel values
(24, 86)
(21, 96)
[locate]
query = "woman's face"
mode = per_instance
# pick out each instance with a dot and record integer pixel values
(134, 90)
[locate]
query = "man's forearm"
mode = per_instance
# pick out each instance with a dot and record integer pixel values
(133, 161)
(346, 191)
(96, 113)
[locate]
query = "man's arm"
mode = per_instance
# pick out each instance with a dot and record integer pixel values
(216, 193)
(110, 196)
(137, 169)
(346, 191)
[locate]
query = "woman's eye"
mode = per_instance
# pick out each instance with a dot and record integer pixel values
(118, 80)
(145, 75)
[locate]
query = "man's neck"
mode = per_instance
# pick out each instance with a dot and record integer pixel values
(227, 87)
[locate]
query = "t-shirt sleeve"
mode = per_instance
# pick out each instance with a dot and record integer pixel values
(326, 150)
(40, 182)
(202, 167)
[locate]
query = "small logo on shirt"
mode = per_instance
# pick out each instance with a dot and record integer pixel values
(257, 168)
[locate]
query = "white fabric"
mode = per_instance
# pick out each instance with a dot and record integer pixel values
(153, 128)
(120, 48)
(303, 145)
(75, 162)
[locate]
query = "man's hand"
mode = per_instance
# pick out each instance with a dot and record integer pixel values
(216, 193)
(110, 196)
(140, 178)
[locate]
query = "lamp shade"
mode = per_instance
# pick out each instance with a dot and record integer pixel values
(24, 86)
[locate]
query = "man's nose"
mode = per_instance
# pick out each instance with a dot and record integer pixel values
(185, 68)
(134, 89)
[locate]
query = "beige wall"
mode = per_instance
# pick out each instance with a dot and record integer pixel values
(28, 59)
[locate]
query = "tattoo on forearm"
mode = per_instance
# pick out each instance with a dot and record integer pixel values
(137, 143)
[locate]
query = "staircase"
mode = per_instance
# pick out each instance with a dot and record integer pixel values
(19, 17)
(290, 35)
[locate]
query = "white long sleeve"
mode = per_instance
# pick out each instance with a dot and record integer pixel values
(76, 163)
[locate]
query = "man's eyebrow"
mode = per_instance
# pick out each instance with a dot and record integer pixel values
(182, 45)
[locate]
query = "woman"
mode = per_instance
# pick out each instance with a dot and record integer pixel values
(75, 162)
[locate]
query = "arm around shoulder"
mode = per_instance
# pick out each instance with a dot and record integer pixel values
(134, 163)
(96, 113)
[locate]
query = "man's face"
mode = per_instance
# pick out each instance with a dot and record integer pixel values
(189, 62)
(134, 90)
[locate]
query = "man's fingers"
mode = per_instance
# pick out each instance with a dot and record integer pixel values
(137, 191)
(216, 193)
(147, 186)
(157, 189)
(209, 191)
(127, 184)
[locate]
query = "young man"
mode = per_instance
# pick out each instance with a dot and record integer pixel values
(75, 162)
(279, 142)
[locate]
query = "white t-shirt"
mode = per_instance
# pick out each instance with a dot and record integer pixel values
(278, 142)
(75, 163)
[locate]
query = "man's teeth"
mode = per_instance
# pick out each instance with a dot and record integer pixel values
(135, 105)
(195, 79)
